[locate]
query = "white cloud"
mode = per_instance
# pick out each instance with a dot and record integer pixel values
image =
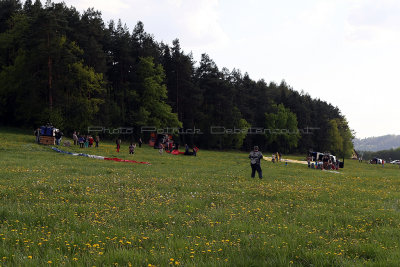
(177, 3)
(374, 21)
(195, 22)
(319, 15)
(382, 14)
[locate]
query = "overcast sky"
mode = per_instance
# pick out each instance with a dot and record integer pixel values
(345, 52)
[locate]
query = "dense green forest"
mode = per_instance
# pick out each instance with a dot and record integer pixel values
(74, 71)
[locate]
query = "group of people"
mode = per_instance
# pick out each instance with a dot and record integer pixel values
(132, 146)
(167, 144)
(325, 164)
(276, 157)
(85, 140)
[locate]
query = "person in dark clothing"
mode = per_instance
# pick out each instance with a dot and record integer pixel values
(118, 143)
(58, 136)
(195, 149)
(140, 142)
(187, 149)
(81, 141)
(255, 163)
(37, 134)
(325, 162)
(97, 140)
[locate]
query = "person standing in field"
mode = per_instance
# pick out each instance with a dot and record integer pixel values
(255, 157)
(58, 136)
(118, 143)
(81, 141)
(86, 141)
(132, 148)
(91, 140)
(97, 140)
(140, 142)
(186, 149)
(75, 138)
(37, 134)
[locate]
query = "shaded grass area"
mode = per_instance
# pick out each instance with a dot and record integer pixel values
(192, 211)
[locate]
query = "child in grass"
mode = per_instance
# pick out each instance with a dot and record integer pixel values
(81, 141)
(132, 148)
(91, 141)
(86, 141)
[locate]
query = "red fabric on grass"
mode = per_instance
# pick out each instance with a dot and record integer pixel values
(177, 152)
(127, 160)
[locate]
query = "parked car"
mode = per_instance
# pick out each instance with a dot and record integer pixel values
(376, 161)
(395, 162)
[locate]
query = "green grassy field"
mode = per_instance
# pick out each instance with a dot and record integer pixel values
(59, 209)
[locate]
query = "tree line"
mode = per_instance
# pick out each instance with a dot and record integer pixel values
(388, 155)
(74, 70)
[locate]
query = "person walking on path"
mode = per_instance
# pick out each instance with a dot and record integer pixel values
(255, 157)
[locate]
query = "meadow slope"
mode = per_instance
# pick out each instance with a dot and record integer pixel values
(58, 209)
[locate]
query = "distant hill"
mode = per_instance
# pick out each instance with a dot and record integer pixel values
(379, 143)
